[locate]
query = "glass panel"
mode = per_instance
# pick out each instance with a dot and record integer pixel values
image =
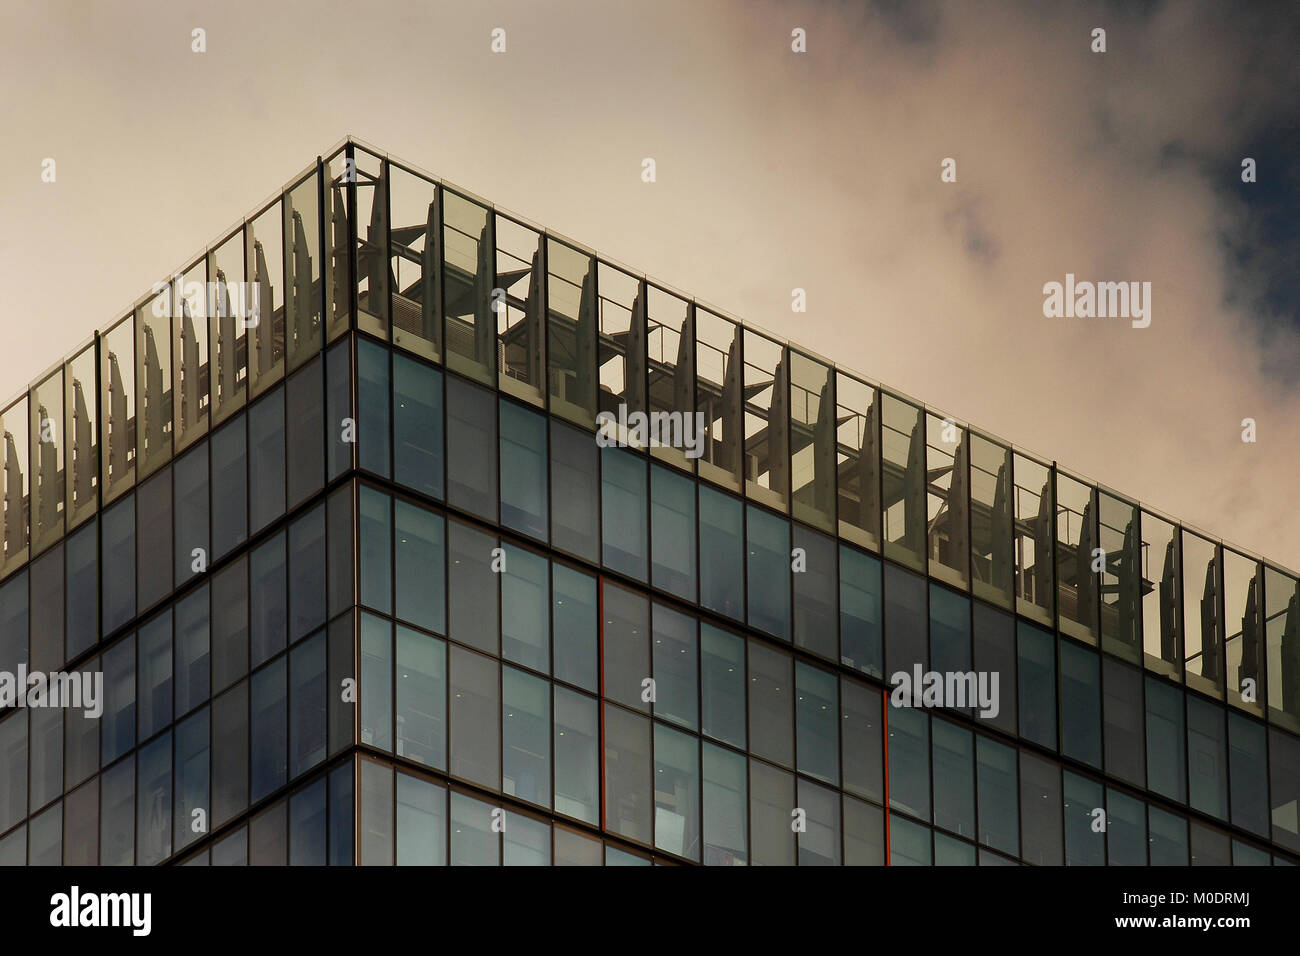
(1032, 533)
(372, 401)
(722, 679)
(574, 623)
(339, 443)
(812, 442)
(472, 448)
(230, 624)
(1282, 623)
(269, 716)
(672, 532)
(675, 659)
(421, 698)
(376, 682)
(227, 302)
(862, 740)
(677, 792)
(1040, 830)
(307, 551)
(1284, 788)
(997, 796)
(669, 361)
(376, 530)
(190, 537)
(45, 615)
(302, 287)
(1121, 581)
(718, 397)
(1126, 828)
(909, 844)
(46, 480)
(473, 588)
(1207, 758)
(815, 586)
(771, 704)
(518, 304)
(1248, 774)
(153, 539)
(905, 622)
(767, 413)
(417, 426)
(725, 803)
(525, 599)
(857, 460)
(950, 648)
(338, 201)
(903, 481)
(525, 736)
(229, 487)
(1244, 631)
(421, 822)
(571, 344)
(80, 430)
(1076, 559)
(415, 254)
(1122, 727)
(523, 471)
(771, 801)
(995, 654)
(947, 485)
(1165, 741)
(1036, 676)
(954, 778)
(909, 761)
(374, 279)
(769, 572)
(307, 696)
(467, 288)
(577, 756)
(266, 461)
(82, 590)
(1202, 630)
(309, 825)
(861, 637)
(621, 355)
(193, 662)
(153, 379)
(1168, 838)
(117, 809)
(990, 520)
(117, 407)
(575, 492)
(625, 639)
(817, 723)
(117, 544)
(475, 719)
(376, 814)
(268, 600)
(420, 566)
(229, 754)
(1080, 704)
(864, 834)
(264, 266)
(1084, 846)
(722, 553)
(623, 512)
(154, 677)
(628, 804)
(1161, 597)
(192, 766)
(306, 432)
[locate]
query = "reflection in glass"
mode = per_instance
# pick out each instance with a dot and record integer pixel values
(718, 397)
(947, 494)
(1033, 539)
(46, 479)
(414, 262)
(767, 413)
(1076, 559)
(1121, 580)
(1202, 628)
(903, 481)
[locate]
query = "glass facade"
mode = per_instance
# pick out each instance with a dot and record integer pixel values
(328, 517)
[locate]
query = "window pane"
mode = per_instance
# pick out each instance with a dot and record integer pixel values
(725, 807)
(421, 698)
(117, 809)
(1122, 711)
(309, 825)
(420, 559)
(623, 512)
(475, 718)
(771, 704)
(909, 761)
(268, 613)
(862, 741)
(819, 844)
(627, 774)
(904, 481)
(1164, 726)
(376, 550)
(954, 778)
(769, 573)
(577, 768)
(1284, 785)
(525, 597)
(722, 666)
(471, 448)
(117, 733)
(229, 487)
(1036, 673)
(118, 545)
(1083, 845)
(675, 661)
(1248, 774)
(46, 751)
(473, 588)
(722, 553)
(1168, 838)
(672, 520)
(574, 622)
(372, 402)
(421, 822)
(575, 492)
(523, 471)
(995, 653)
(864, 834)
(817, 722)
(1080, 704)
(190, 474)
(677, 792)
(1126, 829)
(153, 544)
(307, 573)
(905, 621)
(1207, 758)
(815, 585)
(230, 625)
(626, 655)
(192, 766)
(861, 638)
(13, 761)
(526, 736)
(771, 800)
(304, 407)
(909, 843)
(950, 643)
(82, 552)
(266, 460)
(229, 754)
(376, 682)
(155, 675)
(307, 699)
(270, 720)
(473, 839)
(417, 427)
(376, 821)
(999, 814)
(1040, 799)
(153, 824)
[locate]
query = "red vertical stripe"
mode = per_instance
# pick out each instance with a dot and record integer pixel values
(600, 678)
(884, 730)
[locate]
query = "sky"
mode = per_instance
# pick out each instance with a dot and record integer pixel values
(775, 170)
